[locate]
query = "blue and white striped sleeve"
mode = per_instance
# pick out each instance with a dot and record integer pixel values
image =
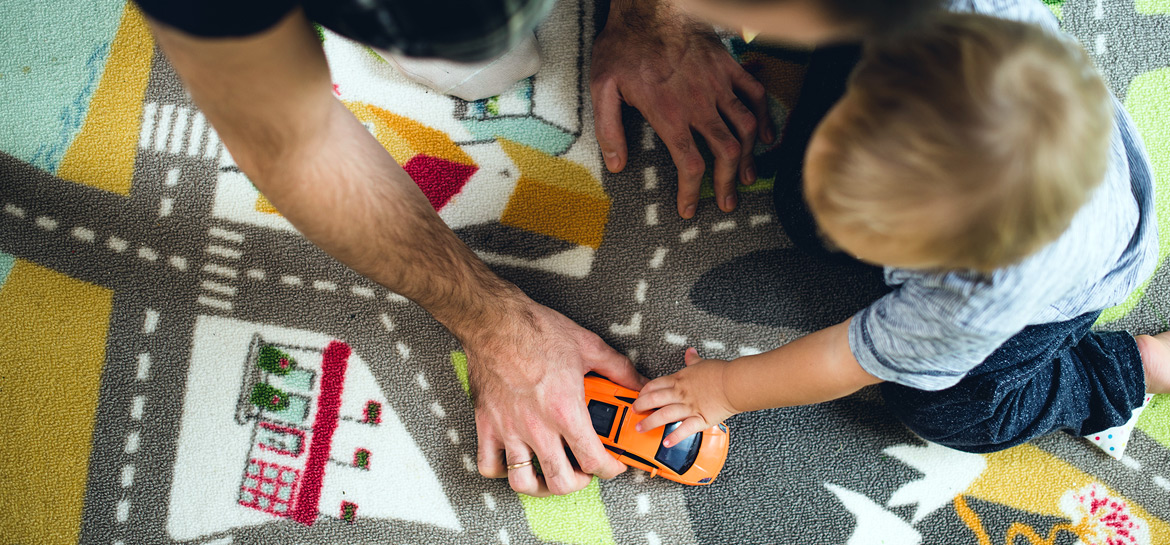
(929, 332)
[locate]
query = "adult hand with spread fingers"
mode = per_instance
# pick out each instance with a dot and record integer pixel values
(678, 74)
(527, 383)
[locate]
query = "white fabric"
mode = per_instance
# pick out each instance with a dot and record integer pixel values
(470, 81)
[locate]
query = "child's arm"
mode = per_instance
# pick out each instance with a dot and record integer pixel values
(814, 368)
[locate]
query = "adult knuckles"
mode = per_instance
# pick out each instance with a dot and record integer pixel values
(747, 122)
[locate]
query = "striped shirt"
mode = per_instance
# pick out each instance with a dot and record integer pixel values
(934, 327)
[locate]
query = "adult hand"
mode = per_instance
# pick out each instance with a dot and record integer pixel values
(528, 386)
(677, 73)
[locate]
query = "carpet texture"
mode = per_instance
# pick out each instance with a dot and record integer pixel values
(178, 365)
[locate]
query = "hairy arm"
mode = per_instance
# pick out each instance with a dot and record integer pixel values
(814, 368)
(269, 96)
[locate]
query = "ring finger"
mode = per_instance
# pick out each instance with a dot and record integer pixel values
(521, 467)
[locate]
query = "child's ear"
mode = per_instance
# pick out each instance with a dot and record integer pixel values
(691, 356)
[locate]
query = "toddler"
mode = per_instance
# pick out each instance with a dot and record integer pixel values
(983, 163)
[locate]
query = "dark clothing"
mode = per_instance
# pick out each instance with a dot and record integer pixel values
(458, 30)
(1048, 377)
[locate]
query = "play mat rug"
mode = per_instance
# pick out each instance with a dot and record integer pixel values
(147, 291)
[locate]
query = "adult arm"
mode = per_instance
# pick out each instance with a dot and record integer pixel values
(269, 96)
(814, 368)
(675, 71)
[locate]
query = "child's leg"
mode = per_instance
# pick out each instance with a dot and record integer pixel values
(1049, 377)
(824, 84)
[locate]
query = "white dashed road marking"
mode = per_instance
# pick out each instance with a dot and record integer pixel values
(216, 287)
(137, 406)
(723, 226)
(226, 272)
(83, 234)
(632, 328)
(224, 251)
(650, 174)
(143, 371)
(132, 442)
(658, 258)
(225, 234)
(46, 223)
(213, 302)
(640, 292)
(759, 220)
(123, 511)
(147, 253)
(150, 321)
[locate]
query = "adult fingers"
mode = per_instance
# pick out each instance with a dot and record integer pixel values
(559, 475)
(681, 145)
(522, 477)
(744, 123)
(686, 429)
(752, 92)
(619, 369)
(490, 453)
(590, 454)
(607, 125)
(664, 416)
(726, 149)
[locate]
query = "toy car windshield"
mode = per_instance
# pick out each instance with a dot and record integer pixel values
(680, 457)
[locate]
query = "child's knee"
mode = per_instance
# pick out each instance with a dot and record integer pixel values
(969, 423)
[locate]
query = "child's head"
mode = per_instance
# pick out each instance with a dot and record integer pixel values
(968, 143)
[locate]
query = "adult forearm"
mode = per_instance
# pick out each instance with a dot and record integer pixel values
(650, 15)
(815, 368)
(345, 193)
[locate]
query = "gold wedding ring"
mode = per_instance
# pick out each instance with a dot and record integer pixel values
(519, 465)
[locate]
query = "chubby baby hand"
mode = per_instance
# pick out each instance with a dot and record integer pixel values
(694, 396)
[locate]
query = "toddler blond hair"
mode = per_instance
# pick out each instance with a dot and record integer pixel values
(970, 141)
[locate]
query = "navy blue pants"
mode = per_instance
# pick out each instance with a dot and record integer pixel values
(1048, 377)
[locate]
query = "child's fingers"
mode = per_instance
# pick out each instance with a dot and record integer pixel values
(663, 416)
(660, 383)
(652, 398)
(691, 356)
(688, 428)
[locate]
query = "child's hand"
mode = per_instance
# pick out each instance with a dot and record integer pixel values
(694, 395)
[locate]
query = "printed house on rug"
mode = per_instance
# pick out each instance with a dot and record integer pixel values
(313, 433)
(294, 411)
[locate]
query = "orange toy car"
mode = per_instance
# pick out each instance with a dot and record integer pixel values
(696, 460)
